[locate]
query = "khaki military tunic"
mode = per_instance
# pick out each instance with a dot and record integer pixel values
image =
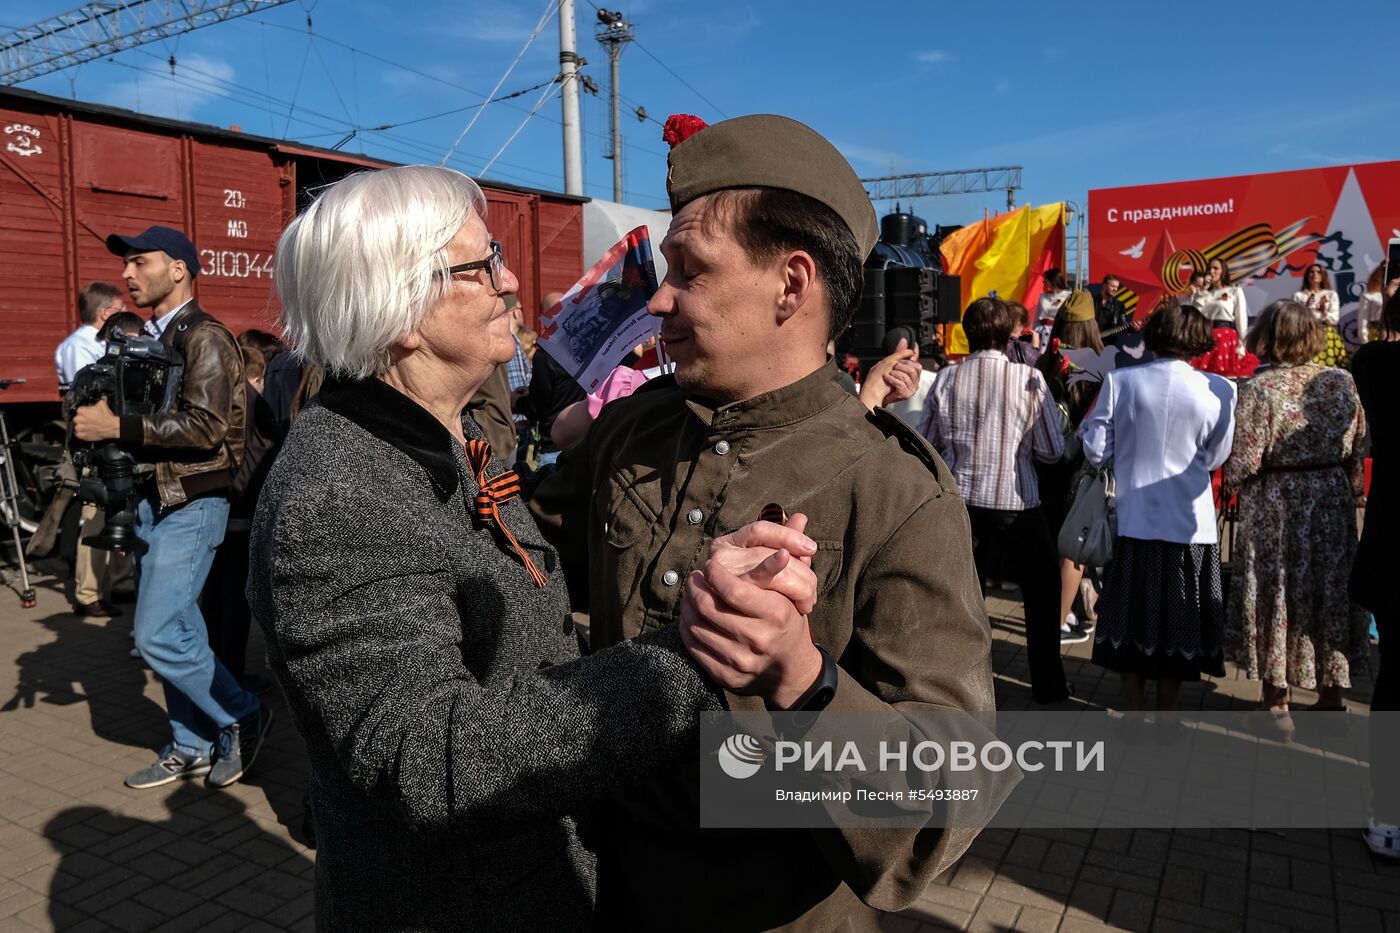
(634, 508)
(490, 406)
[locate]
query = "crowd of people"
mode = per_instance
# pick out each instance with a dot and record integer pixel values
(1282, 450)
(744, 530)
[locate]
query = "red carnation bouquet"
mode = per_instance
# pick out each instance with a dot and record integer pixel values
(680, 127)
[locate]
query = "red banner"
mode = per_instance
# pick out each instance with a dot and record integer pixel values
(1269, 228)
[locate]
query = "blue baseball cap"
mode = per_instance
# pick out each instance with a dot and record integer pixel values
(166, 239)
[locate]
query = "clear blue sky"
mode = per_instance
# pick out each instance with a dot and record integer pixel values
(1082, 95)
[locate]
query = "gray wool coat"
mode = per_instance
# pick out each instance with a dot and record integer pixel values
(451, 727)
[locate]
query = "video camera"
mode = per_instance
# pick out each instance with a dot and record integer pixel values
(137, 376)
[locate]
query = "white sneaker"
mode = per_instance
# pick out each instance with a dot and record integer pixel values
(1382, 839)
(1072, 632)
(1072, 622)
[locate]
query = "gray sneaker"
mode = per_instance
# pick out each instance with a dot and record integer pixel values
(171, 766)
(239, 745)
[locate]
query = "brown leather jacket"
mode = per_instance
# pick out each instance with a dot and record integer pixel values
(195, 448)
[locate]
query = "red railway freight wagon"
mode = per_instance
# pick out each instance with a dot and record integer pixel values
(71, 173)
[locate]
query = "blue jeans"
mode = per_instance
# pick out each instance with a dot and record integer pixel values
(201, 696)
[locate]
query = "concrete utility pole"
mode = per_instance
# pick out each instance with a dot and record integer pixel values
(614, 32)
(568, 69)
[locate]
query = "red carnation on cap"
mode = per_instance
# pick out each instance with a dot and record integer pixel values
(680, 127)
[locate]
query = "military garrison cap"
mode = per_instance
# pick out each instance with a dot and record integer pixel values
(768, 151)
(1079, 306)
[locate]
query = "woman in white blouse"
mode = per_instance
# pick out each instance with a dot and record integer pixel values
(1368, 309)
(1318, 297)
(1225, 307)
(1051, 300)
(1163, 427)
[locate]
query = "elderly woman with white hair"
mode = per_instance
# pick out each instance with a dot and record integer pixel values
(415, 617)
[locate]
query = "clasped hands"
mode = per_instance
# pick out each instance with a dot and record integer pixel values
(894, 379)
(743, 616)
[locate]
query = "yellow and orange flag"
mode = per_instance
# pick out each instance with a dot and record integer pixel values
(1008, 254)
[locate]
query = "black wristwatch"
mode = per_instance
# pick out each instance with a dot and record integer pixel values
(821, 693)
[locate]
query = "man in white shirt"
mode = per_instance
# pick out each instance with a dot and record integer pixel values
(97, 302)
(989, 418)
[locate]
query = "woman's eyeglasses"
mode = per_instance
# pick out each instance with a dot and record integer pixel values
(494, 265)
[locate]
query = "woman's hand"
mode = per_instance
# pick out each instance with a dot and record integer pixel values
(744, 614)
(893, 379)
(772, 556)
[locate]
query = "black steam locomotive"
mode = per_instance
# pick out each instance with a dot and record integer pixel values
(904, 286)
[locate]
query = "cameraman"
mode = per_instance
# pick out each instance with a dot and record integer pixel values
(217, 726)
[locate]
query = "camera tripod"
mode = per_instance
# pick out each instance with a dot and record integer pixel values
(9, 506)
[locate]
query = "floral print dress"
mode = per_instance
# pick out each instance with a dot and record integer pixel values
(1297, 466)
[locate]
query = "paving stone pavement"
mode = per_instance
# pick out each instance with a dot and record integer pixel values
(81, 852)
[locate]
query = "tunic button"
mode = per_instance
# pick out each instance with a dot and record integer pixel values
(722, 448)
(670, 578)
(694, 516)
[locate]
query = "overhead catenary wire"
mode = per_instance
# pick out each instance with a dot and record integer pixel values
(549, 12)
(330, 78)
(267, 72)
(408, 148)
(447, 113)
(545, 96)
(219, 80)
(415, 149)
(296, 91)
(199, 82)
(215, 84)
(355, 84)
(673, 74)
(348, 124)
(327, 125)
(445, 82)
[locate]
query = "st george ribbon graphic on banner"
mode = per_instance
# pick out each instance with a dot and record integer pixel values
(1045, 770)
(605, 314)
(1267, 228)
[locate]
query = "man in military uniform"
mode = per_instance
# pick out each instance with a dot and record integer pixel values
(764, 251)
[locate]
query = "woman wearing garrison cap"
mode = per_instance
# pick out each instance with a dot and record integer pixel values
(413, 611)
(1076, 328)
